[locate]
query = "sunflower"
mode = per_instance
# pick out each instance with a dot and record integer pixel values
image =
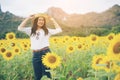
(17, 50)
(2, 50)
(70, 49)
(97, 62)
(63, 42)
(2, 42)
(25, 44)
(74, 38)
(12, 43)
(93, 39)
(80, 78)
(8, 55)
(10, 36)
(117, 77)
(26, 47)
(114, 48)
(86, 46)
(79, 46)
(110, 65)
(54, 40)
(110, 36)
(51, 60)
(82, 45)
(66, 38)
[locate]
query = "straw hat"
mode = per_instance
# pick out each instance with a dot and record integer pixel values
(47, 17)
(42, 14)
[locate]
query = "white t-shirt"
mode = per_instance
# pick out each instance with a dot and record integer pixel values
(40, 40)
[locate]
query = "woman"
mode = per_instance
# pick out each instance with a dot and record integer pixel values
(39, 37)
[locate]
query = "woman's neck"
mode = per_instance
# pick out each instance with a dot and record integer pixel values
(39, 28)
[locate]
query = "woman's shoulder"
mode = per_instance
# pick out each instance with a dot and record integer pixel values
(50, 29)
(28, 27)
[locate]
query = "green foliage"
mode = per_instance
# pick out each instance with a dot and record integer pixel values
(20, 68)
(21, 35)
(116, 29)
(8, 23)
(101, 32)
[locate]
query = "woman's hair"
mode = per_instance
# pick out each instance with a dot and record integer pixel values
(34, 27)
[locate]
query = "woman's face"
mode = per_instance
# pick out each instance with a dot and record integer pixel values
(40, 22)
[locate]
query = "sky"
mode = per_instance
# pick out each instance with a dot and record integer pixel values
(25, 8)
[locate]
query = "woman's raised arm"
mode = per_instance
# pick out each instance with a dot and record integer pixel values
(22, 25)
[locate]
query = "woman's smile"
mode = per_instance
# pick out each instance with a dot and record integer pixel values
(40, 22)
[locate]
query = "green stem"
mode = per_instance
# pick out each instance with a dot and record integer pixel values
(109, 74)
(96, 75)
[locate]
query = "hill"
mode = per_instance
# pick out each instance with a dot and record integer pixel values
(72, 24)
(8, 23)
(110, 17)
(91, 23)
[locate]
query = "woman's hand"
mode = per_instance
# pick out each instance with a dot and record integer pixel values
(32, 16)
(23, 23)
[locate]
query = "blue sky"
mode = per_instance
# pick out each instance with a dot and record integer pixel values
(27, 7)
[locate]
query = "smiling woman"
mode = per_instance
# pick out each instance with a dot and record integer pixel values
(39, 37)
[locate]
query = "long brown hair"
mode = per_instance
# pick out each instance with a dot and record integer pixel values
(34, 27)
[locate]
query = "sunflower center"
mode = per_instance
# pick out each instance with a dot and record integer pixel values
(16, 50)
(55, 39)
(12, 44)
(71, 48)
(66, 39)
(98, 60)
(10, 36)
(116, 48)
(110, 37)
(63, 41)
(93, 38)
(109, 65)
(9, 54)
(3, 50)
(25, 46)
(79, 46)
(1, 43)
(52, 59)
(74, 39)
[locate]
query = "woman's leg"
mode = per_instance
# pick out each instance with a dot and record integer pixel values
(37, 66)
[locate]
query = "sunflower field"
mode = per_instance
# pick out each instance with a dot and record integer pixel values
(71, 58)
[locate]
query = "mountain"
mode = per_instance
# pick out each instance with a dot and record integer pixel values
(72, 24)
(110, 17)
(8, 23)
